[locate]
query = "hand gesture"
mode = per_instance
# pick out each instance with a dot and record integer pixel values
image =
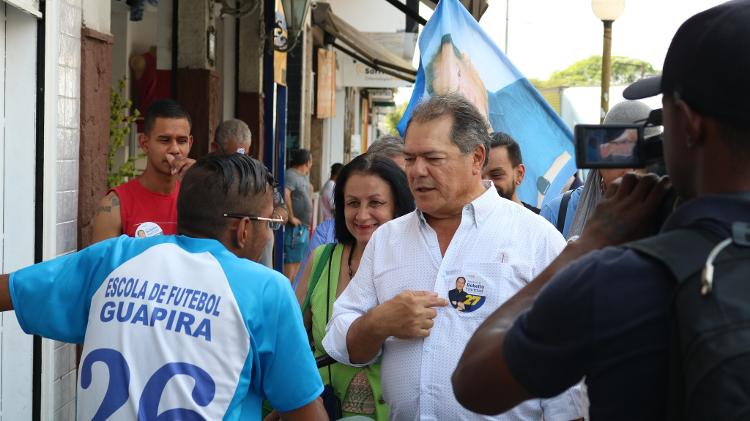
(179, 164)
(409, 314)
(627, 212)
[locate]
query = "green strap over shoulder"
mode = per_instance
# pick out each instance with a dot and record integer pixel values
(318, 265)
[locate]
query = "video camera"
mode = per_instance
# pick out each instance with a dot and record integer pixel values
(619, 145)
(625, 146)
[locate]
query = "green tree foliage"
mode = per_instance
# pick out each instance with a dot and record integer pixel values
(393, 117)
(588, 72)
(120, 122)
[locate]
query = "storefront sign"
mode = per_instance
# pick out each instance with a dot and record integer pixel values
(357, 74)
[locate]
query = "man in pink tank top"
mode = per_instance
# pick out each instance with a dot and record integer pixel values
(147, 205)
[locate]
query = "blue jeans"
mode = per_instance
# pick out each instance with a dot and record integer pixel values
(295, 243)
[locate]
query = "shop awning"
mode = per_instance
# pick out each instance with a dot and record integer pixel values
(29, 6)
(357, 45)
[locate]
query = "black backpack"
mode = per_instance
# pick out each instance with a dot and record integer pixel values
(710, 343)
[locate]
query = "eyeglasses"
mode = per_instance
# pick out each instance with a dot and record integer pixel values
(274, 224)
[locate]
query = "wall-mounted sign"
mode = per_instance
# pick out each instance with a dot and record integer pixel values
(326, 95)
(380, 96)
(357, 74)
(280, 43)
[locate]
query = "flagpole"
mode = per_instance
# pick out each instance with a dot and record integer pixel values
(507, 23)
(606, 68)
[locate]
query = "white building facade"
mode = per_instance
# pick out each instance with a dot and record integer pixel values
(40, 131)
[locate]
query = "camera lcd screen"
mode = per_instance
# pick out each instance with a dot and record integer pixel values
(608, 146)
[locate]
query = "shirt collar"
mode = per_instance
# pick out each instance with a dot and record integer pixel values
(478, 209)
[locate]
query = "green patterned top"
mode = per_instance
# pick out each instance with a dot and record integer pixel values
(342, 374)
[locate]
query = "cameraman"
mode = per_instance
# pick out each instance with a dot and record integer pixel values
(607, 315)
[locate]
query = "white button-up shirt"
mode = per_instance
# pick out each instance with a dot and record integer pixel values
(498, 248)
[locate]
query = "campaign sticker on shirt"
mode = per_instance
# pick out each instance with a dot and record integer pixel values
(468, 295)
(148, 229)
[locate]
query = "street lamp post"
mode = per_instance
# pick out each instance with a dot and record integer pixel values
(607, 11)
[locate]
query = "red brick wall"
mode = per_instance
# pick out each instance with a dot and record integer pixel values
(96, 83)
(198, 93)
(250, 110)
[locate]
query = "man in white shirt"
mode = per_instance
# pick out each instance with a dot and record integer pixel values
(396, 305)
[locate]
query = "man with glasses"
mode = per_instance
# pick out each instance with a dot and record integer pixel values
(273, 223)
(184, 326)
(233, 136)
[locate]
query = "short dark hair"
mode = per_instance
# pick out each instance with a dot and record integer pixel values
(500, 139)
(371, 165)
(164, 108)
(299, 157)
(216, 184)
(336, 169)
(468, 130)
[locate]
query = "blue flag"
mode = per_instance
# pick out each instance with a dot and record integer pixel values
(457, 56)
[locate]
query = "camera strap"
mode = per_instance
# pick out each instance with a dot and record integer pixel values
(563, 212)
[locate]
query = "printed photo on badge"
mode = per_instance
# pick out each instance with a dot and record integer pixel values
(148, 229)
(468, 295)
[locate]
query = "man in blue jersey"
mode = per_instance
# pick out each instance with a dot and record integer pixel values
(184, 327)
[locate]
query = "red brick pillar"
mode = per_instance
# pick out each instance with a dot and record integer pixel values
(96, 83)
(198, 92)
(250, 110)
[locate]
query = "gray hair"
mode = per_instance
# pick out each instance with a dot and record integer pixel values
(469, 129)
(632, 112)
(387, 146)
(627, 112)
(232, 129)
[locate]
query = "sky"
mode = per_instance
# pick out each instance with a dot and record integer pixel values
(549, 35)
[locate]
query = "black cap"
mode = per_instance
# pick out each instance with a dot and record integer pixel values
(708, 64)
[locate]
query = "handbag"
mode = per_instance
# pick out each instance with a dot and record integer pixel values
(331, 402)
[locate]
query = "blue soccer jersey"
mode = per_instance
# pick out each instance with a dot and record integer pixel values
(176, 327)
